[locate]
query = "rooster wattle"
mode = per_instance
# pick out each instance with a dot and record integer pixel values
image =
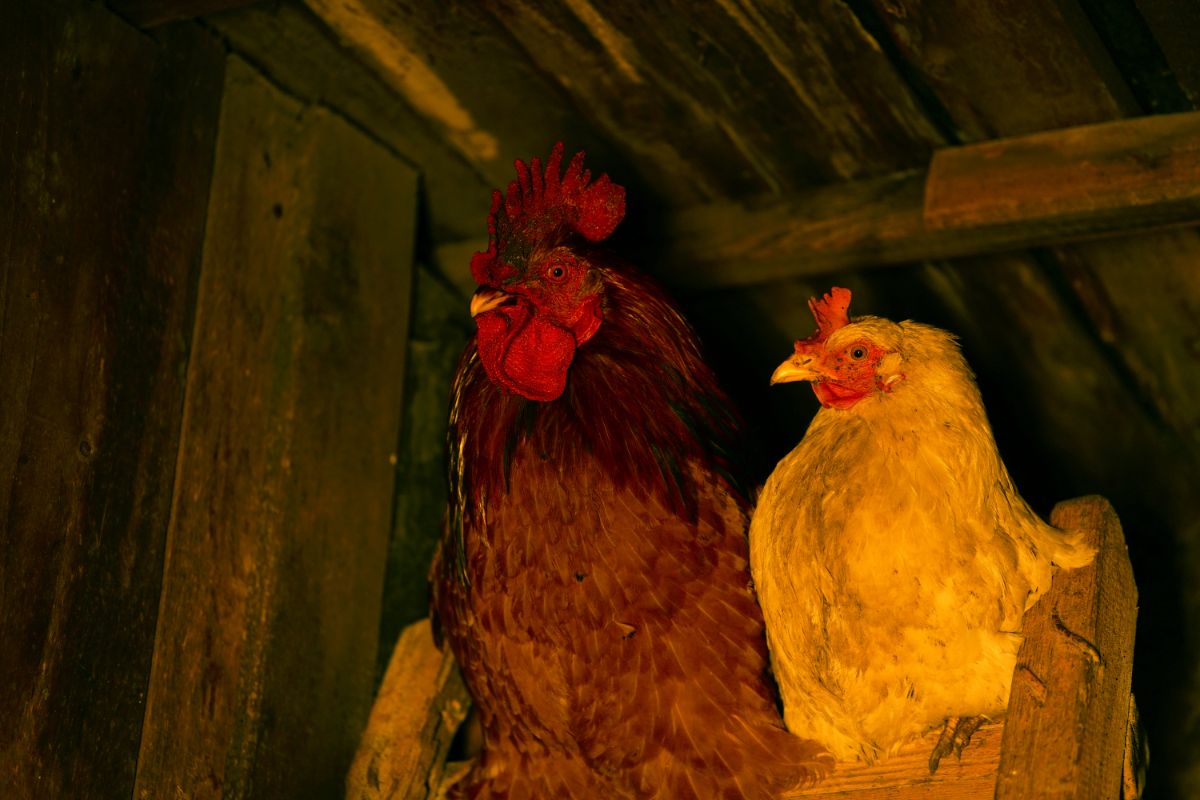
(892, 554)
(593, 581)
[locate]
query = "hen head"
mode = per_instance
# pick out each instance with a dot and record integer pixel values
(846, 361)
(540, 295)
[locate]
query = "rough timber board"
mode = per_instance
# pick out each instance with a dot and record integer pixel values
(106, 145)
(419, 707)
(265, 653)
(299, 53)
(1115, 170)
(1066, 726)
(905, 776)
(737, 85)
(151, 13)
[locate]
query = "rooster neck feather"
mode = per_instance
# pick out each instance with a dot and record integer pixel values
(640, 407)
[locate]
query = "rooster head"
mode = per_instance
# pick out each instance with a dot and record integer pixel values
(539, 295)
(845, 360)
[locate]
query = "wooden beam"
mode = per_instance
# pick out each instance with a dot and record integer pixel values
(1065, 733)
(152, 13)
(264, 660)
(106, 140)
(1008, 194)
(420, 705)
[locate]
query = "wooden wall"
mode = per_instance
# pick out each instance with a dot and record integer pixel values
(205, 286)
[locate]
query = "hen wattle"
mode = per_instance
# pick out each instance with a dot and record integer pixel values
(593, 581)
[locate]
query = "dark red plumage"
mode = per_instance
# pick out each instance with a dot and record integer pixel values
(593, 583)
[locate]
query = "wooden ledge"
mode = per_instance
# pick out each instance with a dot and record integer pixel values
(1064, 735)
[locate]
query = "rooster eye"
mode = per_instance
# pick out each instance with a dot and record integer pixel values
(858, 353)
(556, 273)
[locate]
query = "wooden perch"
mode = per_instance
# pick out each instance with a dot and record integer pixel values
(420, 705)
(1064, 736)
(1007, 194)
(1069, 708)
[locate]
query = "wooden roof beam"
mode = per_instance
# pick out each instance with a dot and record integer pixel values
(152, 13)
(1005, 194)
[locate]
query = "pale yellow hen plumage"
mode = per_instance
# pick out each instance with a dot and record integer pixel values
(892, 554)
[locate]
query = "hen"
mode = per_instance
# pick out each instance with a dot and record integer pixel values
(593, 582)
(892, 555)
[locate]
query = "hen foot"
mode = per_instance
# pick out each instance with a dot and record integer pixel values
(954, 737)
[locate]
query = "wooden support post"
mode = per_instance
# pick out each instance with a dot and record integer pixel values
(264, 658)
(1068, 712)
(420, 706)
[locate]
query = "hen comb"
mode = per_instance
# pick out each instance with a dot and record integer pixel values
(540, 201)
(830, 312)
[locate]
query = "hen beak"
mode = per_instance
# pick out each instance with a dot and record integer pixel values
(797, 368)
(486, 298)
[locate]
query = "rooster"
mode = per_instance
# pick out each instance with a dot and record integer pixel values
(593, 580)
(892, 555)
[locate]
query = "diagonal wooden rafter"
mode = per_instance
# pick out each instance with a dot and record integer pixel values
(1006, 194)
(152, 13)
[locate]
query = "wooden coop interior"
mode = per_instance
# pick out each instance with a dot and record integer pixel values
(235, 240)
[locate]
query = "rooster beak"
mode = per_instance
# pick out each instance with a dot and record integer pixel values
(797, 368)
(486, 298)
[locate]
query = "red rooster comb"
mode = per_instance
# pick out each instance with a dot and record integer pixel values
(830, 314)
(539, 202)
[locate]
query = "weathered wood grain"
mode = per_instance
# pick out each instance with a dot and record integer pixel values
(152, 13)
(264, 660)
(1091, 181)
(1067, 715)
(756, 98)
(1007, 68)
(105, 155)
(294, 47)
(906, 776)
(1113, 175)
(418, 710)
(472, 85)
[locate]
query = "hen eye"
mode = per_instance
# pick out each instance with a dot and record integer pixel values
(858, 352)
(556, 272)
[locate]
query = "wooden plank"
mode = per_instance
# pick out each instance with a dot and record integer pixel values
(1007, 68)
(906, 776)
(289, 43)
(611, 78)
(1098, 177)
(152, 13)
(1067, 715)
(784, 97)
(445, 61)
(420, 705)
(105, 157)
(264, 660)
(1006, 194)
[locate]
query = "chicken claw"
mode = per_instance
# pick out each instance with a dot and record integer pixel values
(955, 736)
